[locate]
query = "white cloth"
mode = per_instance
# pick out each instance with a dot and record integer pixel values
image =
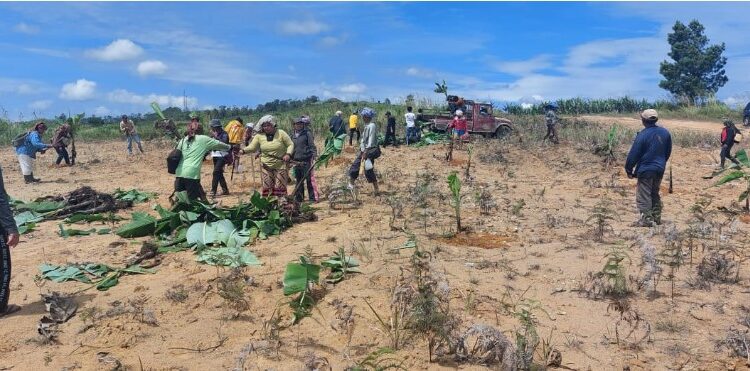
(27, 164)
(410, 119)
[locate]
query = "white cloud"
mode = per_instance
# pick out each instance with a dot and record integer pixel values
(26, 89)
(331, 41)
(40, 104)
(102, 111)
(124, 96)
(524, 67)
(82, 89)
(48, 52)
(306, 27)
(26, 28)
(357, 88)
(118, 50)
(151, 67)
(327, 93)
(419, 72)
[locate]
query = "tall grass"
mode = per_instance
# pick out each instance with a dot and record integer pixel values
(713, 110)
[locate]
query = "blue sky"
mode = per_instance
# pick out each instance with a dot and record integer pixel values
(110, 58)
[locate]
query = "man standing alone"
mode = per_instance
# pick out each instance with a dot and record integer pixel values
(127, 127)
(647, 161)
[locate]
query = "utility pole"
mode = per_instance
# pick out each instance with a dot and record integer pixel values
(184, 101)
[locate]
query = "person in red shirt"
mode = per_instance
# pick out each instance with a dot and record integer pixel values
(458, 125)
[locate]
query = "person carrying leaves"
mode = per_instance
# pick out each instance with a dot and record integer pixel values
(276, 149)
(369, 151)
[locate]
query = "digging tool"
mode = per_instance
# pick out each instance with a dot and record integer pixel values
(670, 179)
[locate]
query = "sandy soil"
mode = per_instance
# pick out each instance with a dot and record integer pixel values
(542, 250)
(635, 123)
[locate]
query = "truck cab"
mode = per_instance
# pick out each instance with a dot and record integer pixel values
(479, 119)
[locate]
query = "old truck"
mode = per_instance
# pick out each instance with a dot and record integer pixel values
(479, 117)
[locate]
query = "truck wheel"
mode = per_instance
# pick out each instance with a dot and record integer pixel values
(502, 131)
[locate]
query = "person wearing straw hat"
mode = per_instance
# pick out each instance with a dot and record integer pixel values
(276, 149)
(647, 160)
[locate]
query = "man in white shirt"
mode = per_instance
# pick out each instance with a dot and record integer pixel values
(411, 126)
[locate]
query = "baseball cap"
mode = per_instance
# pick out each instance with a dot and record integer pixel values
(650, 114)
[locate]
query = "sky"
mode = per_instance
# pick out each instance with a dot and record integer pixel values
(107, 58)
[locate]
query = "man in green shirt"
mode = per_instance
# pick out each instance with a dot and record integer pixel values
(194, 147)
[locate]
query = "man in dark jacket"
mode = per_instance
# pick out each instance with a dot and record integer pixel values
(647, 161)
(336, 125)
(390, 130)
(304, 155)
(8, 240)
(727, 141)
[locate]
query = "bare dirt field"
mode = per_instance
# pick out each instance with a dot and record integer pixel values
(531, 248)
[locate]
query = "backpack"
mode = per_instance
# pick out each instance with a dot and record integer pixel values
(235, 131)
(20, 139)
(173, 159)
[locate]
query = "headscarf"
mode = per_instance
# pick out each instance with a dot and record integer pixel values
(268, 118)
(367, 112)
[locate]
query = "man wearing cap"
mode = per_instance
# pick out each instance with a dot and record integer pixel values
(127, 127)
(727, 142)
(220, 158)
(27, 151)
(336, 125)
(304, 156)
(647, 161)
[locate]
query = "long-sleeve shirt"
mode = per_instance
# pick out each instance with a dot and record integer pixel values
(727, 135)
(32, 145)
(128, 127)
(224, 138)
(7, 223)
(550, 118)
(459, 123)
(369, 137)
(272, 151)
(193, 152)
(650, 151)
(61, 138)
(304, 145)
(353, 119)
(336, 125)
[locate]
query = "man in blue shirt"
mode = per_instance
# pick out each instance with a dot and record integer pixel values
(27, 151)
(647, 161)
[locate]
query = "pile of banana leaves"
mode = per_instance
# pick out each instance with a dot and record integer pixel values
(217, 234)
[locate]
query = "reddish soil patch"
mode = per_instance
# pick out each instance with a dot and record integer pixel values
(745, 218)
(481, 240)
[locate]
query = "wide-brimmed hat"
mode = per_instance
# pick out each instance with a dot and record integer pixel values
(650, 114)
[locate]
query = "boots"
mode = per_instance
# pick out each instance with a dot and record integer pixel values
(30, 179)
(645, 220)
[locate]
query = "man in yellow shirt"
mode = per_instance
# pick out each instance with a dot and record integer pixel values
(353, 128)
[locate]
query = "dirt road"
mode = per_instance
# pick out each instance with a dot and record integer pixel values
(671, 124)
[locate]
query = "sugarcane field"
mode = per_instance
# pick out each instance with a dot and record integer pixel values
(344, 186)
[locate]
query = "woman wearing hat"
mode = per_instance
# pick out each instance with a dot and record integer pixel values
(304, 155)
(194, 147)
(276, 149)
(26, 152)
(220, 159)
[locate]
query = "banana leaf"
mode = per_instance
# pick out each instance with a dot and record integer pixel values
(227, 256)
(40, 206)
(65, 233)
(133, 195)
(141, 225)
(297, 276)
(333, 148)
(78, 217)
